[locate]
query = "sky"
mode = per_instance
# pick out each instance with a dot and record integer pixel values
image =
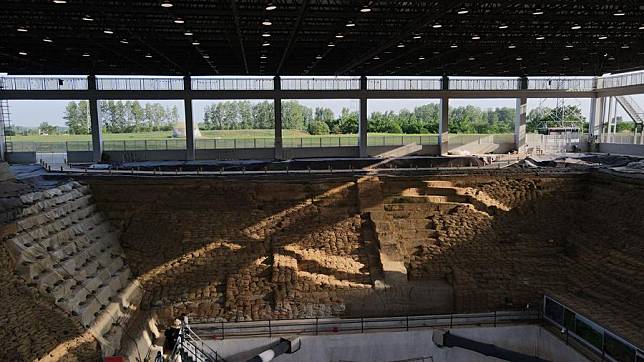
(31, 113)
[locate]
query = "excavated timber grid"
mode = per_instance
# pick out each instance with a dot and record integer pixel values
(236, 249)
(250, 249)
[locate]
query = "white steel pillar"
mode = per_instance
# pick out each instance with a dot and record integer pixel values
(597, 105)
(95, 121)
(363, 126)
(190, 122)
(520, 122)
(277, 107)
(443, 127)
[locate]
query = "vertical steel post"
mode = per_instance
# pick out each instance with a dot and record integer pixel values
(190, 123)
(95, 121)
(277, 107)
(363, 123)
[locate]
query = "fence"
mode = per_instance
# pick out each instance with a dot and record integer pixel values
(562, 83)
(474, 83)
(404, 83)
(623, 138)
(591, 334)
(270, 328)
(33, 83)
(320, 83)
(232, 83)
(621, 80)
(139, 83)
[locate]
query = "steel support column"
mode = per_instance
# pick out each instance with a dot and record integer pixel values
(277, 107)
(443, 127)
(520, 122)
(363, 125)
(190, 122)
(595, 122)
(95, 121)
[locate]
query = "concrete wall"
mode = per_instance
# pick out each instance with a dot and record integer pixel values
(622, 149)
(21, 157)
(391, 346)
(157, 155)
(79, 156)
(236, 154)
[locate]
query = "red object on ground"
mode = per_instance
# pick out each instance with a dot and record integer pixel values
(114, 359)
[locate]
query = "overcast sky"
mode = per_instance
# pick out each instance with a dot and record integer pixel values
(32, 113)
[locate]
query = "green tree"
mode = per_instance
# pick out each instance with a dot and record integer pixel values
(77, 117)
(318, 128)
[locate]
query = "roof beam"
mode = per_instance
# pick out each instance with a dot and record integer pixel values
(233, 4)
(291, 40)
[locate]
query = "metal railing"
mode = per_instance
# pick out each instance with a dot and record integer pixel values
(46, 83)
(623, 138)
(608, 344)
(562, 83)
(320, 83)
(232, 83)
(190, 346)
(139, 83)
(621, 80)
(271, 328)
(404, 83)
(484, 83)
(465, 139)
(145, 145)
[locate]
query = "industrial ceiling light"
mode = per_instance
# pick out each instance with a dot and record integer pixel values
(350, 24)
(400, 45)
(86, 54)
(166, 4)
(417, 36)
(108, 31)
(575, 27)
(267, 22)
(511, 46)
(266, 35)
(625, 46)
(47, 40)
(437, 26)
(569, 46)
(537, 12)
(339, 36)
(195, 42)
(22, 29)
(619, 13)
(603, 37)
(565, 58)
(124, 41)
(462, 11)
(453, 46)
(503, 26)
(540, 37)
(148, 55)
(179, 21)
(270, 6)
(421, 58)
(476, 37)
(265, 44)
(519, 58)
(60, 2)
(263, 56)
(188, 33)
(318, 57)
(330, 45)
(206, 56)
(87, 18)
(471, 58)
(365, 9)
(22, 53)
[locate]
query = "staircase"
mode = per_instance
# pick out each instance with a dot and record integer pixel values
(192, 348)
(632, 109)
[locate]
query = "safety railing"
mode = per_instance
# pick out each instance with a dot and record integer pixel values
(320, 83)
(234, 143)
(328, 141)
(139, 83)
(623, 138)
(393, 140)
(232, 83)
(465, 139)
(145, 145)
(404, 83)
(193, 348)
(597, 338)
(621, 80)
(483, 83)
(562, 83)
(270, 328)
(44, 83)
(49, 147)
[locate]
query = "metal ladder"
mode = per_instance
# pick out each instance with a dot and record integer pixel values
(5, 121)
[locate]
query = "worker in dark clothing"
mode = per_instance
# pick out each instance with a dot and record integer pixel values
(171, 336)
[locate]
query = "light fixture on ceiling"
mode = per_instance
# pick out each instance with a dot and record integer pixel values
(47, 40)
(350, 24)
(148, 55)
(206, 56)
(188, 33)
(376, 58)
(179, 21)
(471, 58)
(265, 44)
(22, 29)
(400, 45)
(462, 11)
(417, 36)
(365, 9)
(22, 53)
(437, 26)
(611, 58)
(569, 46)
(124, 41)
(330, 45)
(503, 26)
(537, 12)
(318, 57)
(625, 46)
(511, 46)
(575, 27)
(421, 58)
(267, 22)
(108, 31)
(476, 37)
(270, 6)
(619, 13)
(166, 4)
(339, 36)
(87, 17)
(565, 58)
(602, 37)
(60, 1)
(266, 35)
(263, 57)
(195, 42)
(519, 58)
(540, 37)
(641, 27)
(86, 54)
(453, 46)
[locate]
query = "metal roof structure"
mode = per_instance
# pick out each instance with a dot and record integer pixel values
(321, 37)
